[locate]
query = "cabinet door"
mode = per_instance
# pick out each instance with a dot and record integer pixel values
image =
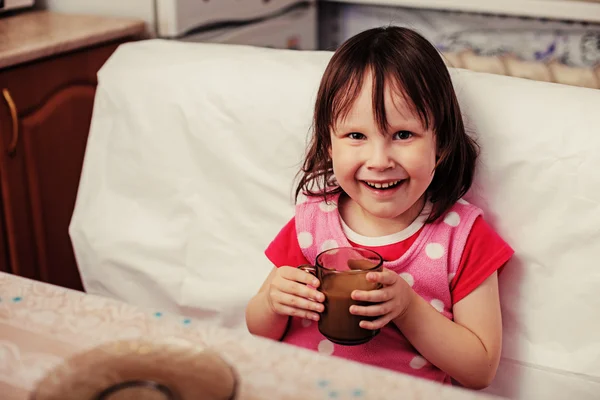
(19, 252)
(4, 260)
(54, 99)
(54, 137)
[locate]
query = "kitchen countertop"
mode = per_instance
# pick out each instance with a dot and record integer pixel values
(36, 34)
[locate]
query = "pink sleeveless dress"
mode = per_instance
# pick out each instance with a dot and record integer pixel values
(428, 266)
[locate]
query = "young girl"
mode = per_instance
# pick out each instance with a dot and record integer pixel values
(386, 169)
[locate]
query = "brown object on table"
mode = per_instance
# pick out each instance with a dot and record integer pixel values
(140, 370)
(48, 67)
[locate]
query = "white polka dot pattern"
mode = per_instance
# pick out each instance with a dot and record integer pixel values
(452, 219)
(408, 278)
(451, 276)
(302, 198)
(326, 347)
(418, 362)
(434, 251)
(329, 244)
(437, 304)
(305, 240)
(327, 206)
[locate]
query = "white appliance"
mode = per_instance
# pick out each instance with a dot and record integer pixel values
(272, 23)
(6, 5)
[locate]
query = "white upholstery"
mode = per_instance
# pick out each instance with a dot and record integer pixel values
(188, 176)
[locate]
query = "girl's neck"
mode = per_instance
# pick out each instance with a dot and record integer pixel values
(366, 224)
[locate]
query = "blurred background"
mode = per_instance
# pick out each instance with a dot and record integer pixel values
(52, 50)
(548, 40)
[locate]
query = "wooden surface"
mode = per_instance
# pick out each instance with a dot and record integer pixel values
(54, 99)
(48, 67)
(33, 35)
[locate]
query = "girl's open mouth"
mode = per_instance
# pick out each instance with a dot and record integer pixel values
(383, 186)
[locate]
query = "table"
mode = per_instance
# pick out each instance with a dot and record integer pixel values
(41, 325)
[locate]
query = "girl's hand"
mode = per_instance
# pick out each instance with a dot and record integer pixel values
(394, 299)
(290, 293)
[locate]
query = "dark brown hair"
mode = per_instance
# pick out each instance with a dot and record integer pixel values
(405, 59)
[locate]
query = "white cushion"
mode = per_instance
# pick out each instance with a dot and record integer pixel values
(188, 173)
(188, 176)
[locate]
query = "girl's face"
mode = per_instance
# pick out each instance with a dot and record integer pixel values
(384, 174)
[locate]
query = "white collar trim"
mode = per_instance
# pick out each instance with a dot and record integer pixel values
(387, 239)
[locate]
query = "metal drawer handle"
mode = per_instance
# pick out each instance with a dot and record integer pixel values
(12, 148)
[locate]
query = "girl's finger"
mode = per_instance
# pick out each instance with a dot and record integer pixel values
(298, 302)
(377, 324)
(373, 296)
(386, 277)
(298, 275)
(370, 311)
(300, 290)
(295, 312)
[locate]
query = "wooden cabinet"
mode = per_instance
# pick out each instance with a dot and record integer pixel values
(45, 113)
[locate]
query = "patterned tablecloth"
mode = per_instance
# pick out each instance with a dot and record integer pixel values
(41, 325)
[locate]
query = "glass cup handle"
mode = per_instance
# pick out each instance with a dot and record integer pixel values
(311, 270)
(308, 268)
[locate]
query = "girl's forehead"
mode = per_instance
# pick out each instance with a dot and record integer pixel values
(397, 106)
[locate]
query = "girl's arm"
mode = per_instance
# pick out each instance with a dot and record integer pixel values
(261, 320)
(468, 348)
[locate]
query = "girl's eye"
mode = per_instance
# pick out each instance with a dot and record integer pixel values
(403, 135)
(356, 136)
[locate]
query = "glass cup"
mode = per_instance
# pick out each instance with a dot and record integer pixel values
(341, 271)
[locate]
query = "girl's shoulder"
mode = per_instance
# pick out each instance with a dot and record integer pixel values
(460, 216)
(462, 206)
(308, 199)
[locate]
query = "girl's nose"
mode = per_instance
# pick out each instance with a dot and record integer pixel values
(379, 158)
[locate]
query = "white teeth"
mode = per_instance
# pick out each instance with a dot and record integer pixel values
(382, 185)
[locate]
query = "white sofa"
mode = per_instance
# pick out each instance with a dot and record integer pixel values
(188, 176)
